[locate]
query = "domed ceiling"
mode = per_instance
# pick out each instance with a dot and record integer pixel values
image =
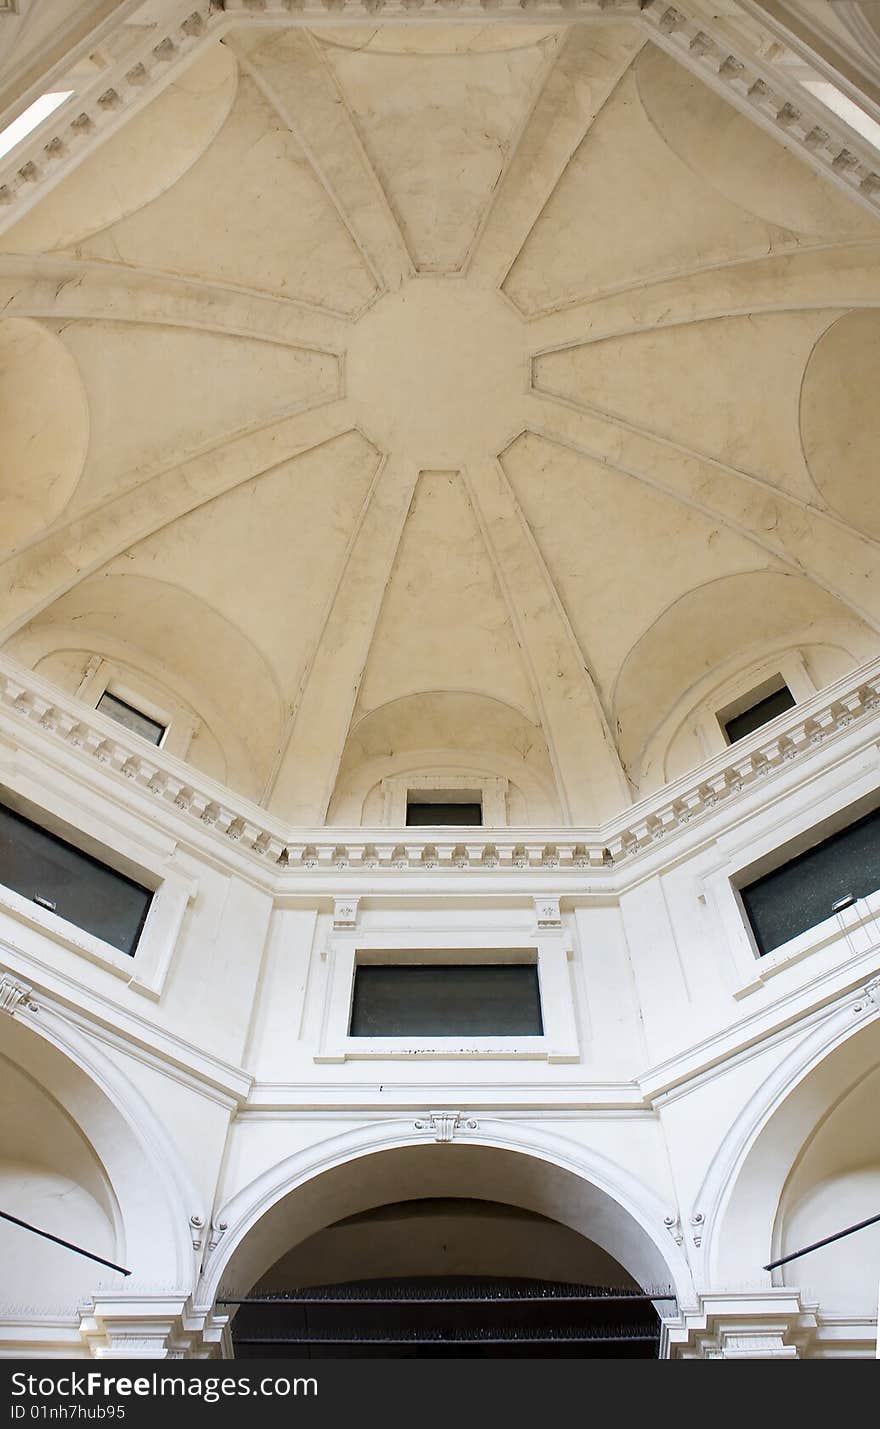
(463, 396)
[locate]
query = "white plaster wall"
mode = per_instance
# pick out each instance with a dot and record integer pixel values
(322, 429)
(39, 1277)
(675, 1049)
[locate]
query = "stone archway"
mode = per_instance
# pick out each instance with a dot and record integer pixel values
(800, 1163)
(741, 1194)
(84, 1158)
(546, 1180)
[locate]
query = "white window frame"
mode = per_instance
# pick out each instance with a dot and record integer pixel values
(492, 793)
(773, 685)
(791, 669)
(771, 838)
(103, 677)
(146, 969)
(549, 950)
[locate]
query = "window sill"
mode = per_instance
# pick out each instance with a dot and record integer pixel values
(858, 925)
(67, 935)
(559, 1042)
(145, 970)
(351, 1049)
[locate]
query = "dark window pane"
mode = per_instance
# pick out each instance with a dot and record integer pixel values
(444, 813)
(446, 1000)
(72, 884)
(801, 893)
(127, 715)
(758, 714)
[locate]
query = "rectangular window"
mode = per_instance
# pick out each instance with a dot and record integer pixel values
(55, 875)
(132, 719)
(738, 723)
(810, 888)
(444, 813)
(446, 1000)
(444, 806)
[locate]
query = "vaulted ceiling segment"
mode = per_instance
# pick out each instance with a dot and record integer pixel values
(452, 362)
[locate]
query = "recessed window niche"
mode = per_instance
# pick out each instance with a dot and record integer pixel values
(444, 799)
(59, 877)
(444, 806)
(803, 891)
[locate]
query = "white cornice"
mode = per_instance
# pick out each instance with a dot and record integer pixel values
(698, 34)
(836, 53)
(65, 734)
(694, 31)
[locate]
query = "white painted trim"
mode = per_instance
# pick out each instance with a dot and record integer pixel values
(755, 1324)
(33, 712)
(153, 1187)
(630, 1195)
(104, 677)
(146, 969)
(550, 950)
(492, 793)
(713, 1198)
(768, 840)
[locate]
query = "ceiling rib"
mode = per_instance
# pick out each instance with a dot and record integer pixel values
(565, 111)
(563, 687)
(60, 287)
(312, 745)
(779, 282)
(38, 574)
(323, 129)
(843, 562)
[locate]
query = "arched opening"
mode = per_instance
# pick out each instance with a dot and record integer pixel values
(812, 1170)
(50, 1177)
(83, 1159)
(446, 1276)
(433, 1250)
(835, 1183)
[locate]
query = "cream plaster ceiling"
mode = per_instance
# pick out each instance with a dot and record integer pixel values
(455, 397)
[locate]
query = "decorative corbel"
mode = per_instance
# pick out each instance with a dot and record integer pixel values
(345, 912)
(673, 1225)
(547, 912)
(218, 1231)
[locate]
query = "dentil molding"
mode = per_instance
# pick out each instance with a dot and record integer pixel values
(692, 30)
(31, 705)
